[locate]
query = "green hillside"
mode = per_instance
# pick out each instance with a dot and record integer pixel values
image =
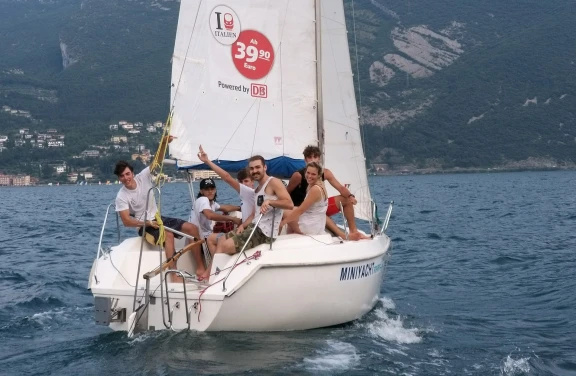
(443, 84)
(513, 52)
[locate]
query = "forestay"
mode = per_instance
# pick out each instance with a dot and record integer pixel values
(244, 82)
(343, 150)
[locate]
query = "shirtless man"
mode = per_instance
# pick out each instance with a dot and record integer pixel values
(271, 198)
(297, 188)
(131, 206)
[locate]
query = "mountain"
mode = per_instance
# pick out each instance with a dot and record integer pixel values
(77, 61)
(469, 85)
(443, 84)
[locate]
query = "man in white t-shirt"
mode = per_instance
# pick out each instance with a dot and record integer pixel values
(131, 206)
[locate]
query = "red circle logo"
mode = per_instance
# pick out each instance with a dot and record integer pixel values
(253, 54)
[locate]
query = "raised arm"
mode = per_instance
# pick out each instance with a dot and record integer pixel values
(294, 181)
(220, 171)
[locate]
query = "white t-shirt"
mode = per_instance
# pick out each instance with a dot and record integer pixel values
(135, 199)
(247, 201)
(199, 219)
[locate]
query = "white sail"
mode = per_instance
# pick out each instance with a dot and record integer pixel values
(244, 82)
(343, 152)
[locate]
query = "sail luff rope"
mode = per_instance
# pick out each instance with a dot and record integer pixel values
(358, 78)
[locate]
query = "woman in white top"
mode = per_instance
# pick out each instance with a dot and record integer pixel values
(205, 208)
(310, 217)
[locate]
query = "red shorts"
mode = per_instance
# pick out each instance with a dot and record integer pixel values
(333, 208)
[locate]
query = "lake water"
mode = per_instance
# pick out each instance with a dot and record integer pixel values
(481, 281)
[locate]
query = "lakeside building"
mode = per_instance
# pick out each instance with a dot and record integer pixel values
(15, 180)
(204, 174)
(119, 139)
(90, 153)
(73, 177)
(55, 144)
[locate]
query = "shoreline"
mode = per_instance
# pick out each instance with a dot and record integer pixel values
(460, 170)
(406, 172)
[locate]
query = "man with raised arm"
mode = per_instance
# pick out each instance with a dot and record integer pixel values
(297, 187)
(131, 206)
(271, 198)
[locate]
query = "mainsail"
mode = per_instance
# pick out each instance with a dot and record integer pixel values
(244, 82)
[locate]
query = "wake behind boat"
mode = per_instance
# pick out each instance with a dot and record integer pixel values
(266, 78)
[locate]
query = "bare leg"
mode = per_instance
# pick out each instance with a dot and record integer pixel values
(170, 250)
(348, 209)
(191, 229)
(330, 225)
(226, 246)
(212, 242)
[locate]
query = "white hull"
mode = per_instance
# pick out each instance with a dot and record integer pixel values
(302, 283)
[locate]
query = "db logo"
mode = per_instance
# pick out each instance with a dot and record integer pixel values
(228, 21)
(259, 91)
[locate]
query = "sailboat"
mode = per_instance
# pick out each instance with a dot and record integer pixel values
(249, 77)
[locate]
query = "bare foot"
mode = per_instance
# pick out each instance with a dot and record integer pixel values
(200, 272)
(357, 235)
(175, 278)
(204, 276)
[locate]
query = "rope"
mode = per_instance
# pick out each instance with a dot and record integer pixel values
(158, 162)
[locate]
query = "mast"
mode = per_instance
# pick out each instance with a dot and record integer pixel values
(319, 106)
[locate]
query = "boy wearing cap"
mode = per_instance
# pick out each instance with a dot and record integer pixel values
(204, 212)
